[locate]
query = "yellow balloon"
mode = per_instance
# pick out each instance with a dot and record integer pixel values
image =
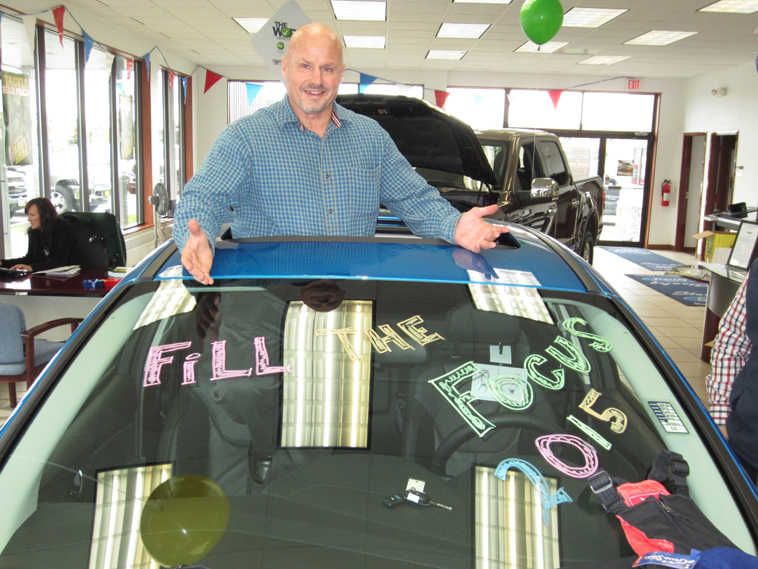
(183, 519)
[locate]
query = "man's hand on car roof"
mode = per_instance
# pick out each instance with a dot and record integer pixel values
(475, 234)
(197, 256)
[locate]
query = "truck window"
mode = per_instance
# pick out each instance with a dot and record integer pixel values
(529, 167)
(552, 159)
(497, 156)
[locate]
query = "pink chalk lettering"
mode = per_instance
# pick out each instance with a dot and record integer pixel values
(155, 361)
(189, 368)
(261, 359)
(587, 451)
(218, 363)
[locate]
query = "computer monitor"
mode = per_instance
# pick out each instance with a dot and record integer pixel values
(745, 246)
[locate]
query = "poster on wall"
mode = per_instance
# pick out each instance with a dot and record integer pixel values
(18, 119)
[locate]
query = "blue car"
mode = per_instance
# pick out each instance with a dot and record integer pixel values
(387, 402)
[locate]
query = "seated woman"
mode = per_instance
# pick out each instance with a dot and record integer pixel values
(50, 239)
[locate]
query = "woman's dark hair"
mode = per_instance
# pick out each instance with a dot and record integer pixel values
(47, 217)
(46, 211)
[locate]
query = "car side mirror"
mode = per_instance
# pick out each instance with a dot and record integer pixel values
(544, 188)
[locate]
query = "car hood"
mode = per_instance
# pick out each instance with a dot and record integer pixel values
(425, 135)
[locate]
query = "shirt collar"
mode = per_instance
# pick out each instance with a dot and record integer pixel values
(287, 115)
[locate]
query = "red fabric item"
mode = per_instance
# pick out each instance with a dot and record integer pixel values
(440, 97)
(635, 492)
(211, 79)
(641, 543)
(58, 14)
(555, 96)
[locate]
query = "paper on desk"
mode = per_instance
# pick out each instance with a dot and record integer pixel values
(64, 271)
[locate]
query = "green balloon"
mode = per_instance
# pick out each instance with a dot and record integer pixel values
(183, 519)
(541, 19)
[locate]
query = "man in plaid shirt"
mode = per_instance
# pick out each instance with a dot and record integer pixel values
(307, 166)
(733, 383)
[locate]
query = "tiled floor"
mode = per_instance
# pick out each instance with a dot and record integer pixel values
(677, 327)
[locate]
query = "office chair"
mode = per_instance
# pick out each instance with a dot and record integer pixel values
(99, 243)
(22, 354)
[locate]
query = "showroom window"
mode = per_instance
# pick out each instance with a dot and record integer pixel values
(19, 159)
(129, 200)
(168, 108)
(97, 88)
(481, 108)
(61, 108)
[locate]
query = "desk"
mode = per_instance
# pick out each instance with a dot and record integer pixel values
(729, 222)
(42, 298)
(722, 287)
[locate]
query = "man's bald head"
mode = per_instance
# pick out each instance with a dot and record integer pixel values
(314, 33)
(312, 70)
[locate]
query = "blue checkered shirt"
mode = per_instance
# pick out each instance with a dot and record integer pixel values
(279, 179)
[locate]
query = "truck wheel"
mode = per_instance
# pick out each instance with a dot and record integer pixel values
(588, 248)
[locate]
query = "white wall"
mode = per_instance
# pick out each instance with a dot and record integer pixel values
(212, 115)
(736, 112)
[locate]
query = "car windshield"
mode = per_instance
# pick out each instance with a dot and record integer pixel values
(342, 424)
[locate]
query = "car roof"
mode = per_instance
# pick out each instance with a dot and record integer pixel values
(527, 258)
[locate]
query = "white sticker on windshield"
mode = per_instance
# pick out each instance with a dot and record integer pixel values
(667, 417)
(500, 354)
(505, 276)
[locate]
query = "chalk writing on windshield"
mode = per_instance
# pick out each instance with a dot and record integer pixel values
(549, 500)
(588, 452)
(461, 400)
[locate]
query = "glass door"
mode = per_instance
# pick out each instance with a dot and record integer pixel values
(624, 172)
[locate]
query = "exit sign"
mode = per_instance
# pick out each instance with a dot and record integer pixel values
(633, 84)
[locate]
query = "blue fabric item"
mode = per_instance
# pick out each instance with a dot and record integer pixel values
(281, 180)
(681, 289)
(726, 558)
(644, 257)
(742, 422)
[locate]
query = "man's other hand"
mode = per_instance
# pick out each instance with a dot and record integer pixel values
(475, 234)
(197, 256)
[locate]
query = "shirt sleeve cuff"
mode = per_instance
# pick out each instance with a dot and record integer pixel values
(719, 413)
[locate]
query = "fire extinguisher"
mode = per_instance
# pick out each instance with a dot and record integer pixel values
(665, 191)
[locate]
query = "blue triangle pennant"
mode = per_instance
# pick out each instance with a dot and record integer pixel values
(184, 88)
(88, 43)
(252, 92)
(365, 81)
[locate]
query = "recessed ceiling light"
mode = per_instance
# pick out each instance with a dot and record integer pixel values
(370, 42)
(360, 10)
(482, 1)
(590, 17)
(732, 7)
(445, 54)
(659, 37)
(466, 31)
(547, 47)
(252, 25)
(604, 59)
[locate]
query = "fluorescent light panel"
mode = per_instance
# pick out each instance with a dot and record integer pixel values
(360, 10)
(482, 1)
(367, 42)
(464, 31)
(252, 25)
(445, 54)
(547, 47)
(659, 37)
(590, 17)
(604, 59)
(732, 7)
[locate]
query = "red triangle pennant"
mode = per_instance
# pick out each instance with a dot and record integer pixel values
(171, 76)
(58, 14)
(440, 97)
(129, 67)
(211, 79)
(555, 96)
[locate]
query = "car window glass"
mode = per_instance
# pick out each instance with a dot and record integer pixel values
(552, 159)
(529, 167)
(300, 410)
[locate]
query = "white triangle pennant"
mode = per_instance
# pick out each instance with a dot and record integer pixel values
(30, 25)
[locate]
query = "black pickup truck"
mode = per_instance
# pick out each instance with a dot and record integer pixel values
(525, 172)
